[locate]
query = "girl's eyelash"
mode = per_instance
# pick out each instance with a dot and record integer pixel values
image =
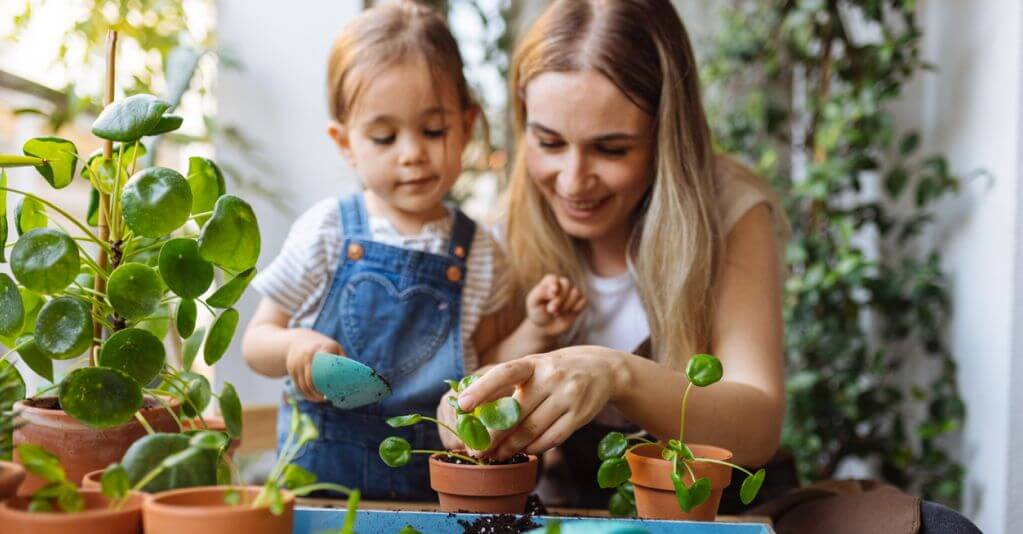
(383, 140)
(435, 133)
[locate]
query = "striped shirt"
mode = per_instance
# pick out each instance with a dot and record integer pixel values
(299, 278)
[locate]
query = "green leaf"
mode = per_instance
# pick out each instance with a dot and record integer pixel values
(228, 294)
(191, 348)
(136, 352)
(307, 430)
(276, 500)
(45, 260)
(465, 382)
(156, 201)
(183, 270)
(197, 391)
(623, 502)
(692, 496)
(395, 452)
(60, 157)
(453, 384)
(472, 432)
(296, 477)
(41, 463)
(404, 420)
(224, 475)
(12, 309)
(29, 215)
(168, 123)
(703, 370)
(209, 440)
(158, 323)
(92, 213)
(69, 500)
(613, 472)
(232, 497)
(185, 317)
(500, 414)
(149, 451)
(100, 397)
(219, 338)
(38, 362)
(751, 486)
(12, 387)
(64, 328)
(909, 143)
(612, 445)
(134, 290)
(3, 215)
(409, 529)
(129, 118)
(231, 410)
(114, 483)
(207, 183)
(230, 239)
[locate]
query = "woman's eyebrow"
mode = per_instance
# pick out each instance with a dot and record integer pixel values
(602, 138)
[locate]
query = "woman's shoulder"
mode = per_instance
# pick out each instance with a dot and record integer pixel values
(739, 190)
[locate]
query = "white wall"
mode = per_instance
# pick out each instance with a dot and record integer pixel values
(278, 99)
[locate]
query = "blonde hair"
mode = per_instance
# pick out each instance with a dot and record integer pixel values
(675, 249)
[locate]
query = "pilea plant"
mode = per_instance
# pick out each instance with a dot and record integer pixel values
(614, 472)
(473, 428)
(159, 236)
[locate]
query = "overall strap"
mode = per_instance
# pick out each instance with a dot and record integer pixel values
(462, 232)
(353, 216)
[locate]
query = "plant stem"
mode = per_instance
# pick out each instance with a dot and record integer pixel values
(432, 420)
(682, 417)
(169, 410)
(145, 424)
(305, 490)
(100, 283)
(68, 216)
(448, 453)
(148, 478)
(692, 474)
(720, 462)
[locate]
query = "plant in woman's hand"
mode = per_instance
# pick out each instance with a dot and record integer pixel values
(614, 472)
(473, 428)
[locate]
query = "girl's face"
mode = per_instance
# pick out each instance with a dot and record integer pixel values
(589, 149)
(404, 137)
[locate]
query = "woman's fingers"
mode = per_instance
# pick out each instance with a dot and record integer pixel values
(555, 435)
(532, 425)
(496, 382)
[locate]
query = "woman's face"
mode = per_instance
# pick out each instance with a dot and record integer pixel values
(589, 149)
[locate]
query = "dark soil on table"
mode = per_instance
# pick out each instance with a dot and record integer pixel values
(517, 459)
(498, 524)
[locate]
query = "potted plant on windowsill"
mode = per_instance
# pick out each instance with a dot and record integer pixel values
(463, 482)
(673, 480)
(159, 238)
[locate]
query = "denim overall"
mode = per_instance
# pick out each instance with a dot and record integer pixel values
(398, 311)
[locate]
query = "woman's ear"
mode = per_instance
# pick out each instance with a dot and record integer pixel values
(339, 133)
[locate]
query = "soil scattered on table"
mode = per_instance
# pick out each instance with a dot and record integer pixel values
(498, 524)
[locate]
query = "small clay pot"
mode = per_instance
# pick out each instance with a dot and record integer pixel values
(213, 422)
(97, 518)
(93, 480)
(11, 475)
(655, 494)
(485, 489)
(204, 510)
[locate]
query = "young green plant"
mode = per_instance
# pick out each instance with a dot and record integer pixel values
(614, 472)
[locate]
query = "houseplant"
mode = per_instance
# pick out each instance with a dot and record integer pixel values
(675, 480)
(463, 482)
(159, 238)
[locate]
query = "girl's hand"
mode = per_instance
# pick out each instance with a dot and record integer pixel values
(559, 392)
(553, 305)
(304, 343)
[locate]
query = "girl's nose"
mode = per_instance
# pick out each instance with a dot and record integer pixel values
(411, 151)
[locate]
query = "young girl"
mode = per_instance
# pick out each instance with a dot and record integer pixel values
(392, 276)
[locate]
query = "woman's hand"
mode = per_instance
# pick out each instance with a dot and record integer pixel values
(559, 392)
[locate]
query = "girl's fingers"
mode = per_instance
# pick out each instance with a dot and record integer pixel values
(579, 305)
(573, 297)
(311, 394)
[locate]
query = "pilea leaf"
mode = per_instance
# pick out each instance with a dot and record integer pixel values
(185, 317)
(219, 337)
(231, 410)
(613, 472)
(137, 352)
(472, 432)
(64, 328)
(134, 290)
(230, 239)
(207, 183)
(45, 260)
(100, 397)
(156, 201)
(129, 118)
(704, 370)
(183, 270)
(500, 414)
(395, 452)
(228, 294)
(751, 486)
(613, 445)
(404, 420)
(60, 155)
(29, 215)
(12, 309)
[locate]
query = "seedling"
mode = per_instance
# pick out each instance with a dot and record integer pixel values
(614, 472)
(473, 428)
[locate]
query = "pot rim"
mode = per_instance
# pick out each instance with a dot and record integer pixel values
(35, 414)
(153, 502)
(435, 459)
(133, 505)
(654, 471)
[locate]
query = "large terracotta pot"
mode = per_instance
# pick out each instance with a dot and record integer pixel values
(96, 519)
(203, 510)
(11, 475)
(655, 494)
(81, 449)
(485, 489)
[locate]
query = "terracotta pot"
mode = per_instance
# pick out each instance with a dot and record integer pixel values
(655, 494)
(203, 510)
(486, 489)
(93, 480)
(81, 449)
(213, 422)
(96, 519)
(11, 475)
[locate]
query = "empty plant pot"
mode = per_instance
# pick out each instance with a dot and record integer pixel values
(204, 510)
(97, 518)
(487, 489)
(655, 494)
(11, 475)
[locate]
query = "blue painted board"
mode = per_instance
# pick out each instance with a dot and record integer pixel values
(315, 520)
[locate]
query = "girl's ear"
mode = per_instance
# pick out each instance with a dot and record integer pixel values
(339, 133)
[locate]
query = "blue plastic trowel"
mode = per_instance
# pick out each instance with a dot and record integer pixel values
(347, 383)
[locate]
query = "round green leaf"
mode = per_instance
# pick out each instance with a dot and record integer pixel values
(38, 362)
(231, 410)
(613, 472)
(64, 328)
(151, 450)
(92, 212)
(472, 432)
(207, 183)
(703, 370)
(129, 118)
(229, 293)
(12, 386)
(185, 317)
(159, 323)
(197, 393)
(619, 505)
(134, 290)
(100, 171)
(12, 308)
(45, 260)
(168, 123)
(100, 397)
(191, 348)
(136, 352)
(751, 486)
(404, 420)
(29, 215)
(295, 477)
(114, 482)
(220, 334)
(156, 201)
(395, 452)
(500, 414)
(183, 270)
(41, 462)
(612, 445)
(60, 155)
(231, 237)
(210, 440)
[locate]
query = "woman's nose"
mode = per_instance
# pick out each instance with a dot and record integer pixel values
(575, 176)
